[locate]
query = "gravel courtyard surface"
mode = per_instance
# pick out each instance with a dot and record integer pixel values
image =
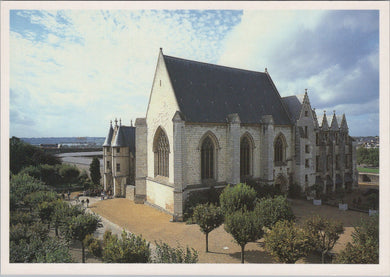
(155, 225)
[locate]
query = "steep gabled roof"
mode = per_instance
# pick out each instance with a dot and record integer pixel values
(334, 126)
(107, 142)
(125, 137)
(294, 105)
(208, 93)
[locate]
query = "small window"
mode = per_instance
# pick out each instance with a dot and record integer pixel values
(317, 163)
(307, 148)
(118, 167)
(118, 150)
(337, 162)
(306, 113)
(305, 131)
(108, 164)
(336, 138)
(306, 178)
(317, 139)
(307, 163)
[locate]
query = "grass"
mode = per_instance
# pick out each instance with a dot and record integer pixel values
(368, 170)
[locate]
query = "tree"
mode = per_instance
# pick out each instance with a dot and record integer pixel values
(128, 249)
(244, 226)
(364, 248)
(22, 185)
(208, 217)
(45, 211)
(94, 170)
(323, 233)
(166, 254)
(239, 197)
(69, 174)
(271, 210)
(81, 226)
(286, 242)
(32, 200)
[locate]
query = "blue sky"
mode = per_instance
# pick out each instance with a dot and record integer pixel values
(72, 71)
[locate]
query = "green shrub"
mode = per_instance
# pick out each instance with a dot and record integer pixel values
(88, 240)
(194, 198)
(166, 254)
(208, 217)
(295, 191)
(287, 242)
(96, 248)
(21, 217)
(272, 210)
(129, 248)
(239, 197)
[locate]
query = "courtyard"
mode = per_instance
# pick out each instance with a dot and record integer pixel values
(155, 225)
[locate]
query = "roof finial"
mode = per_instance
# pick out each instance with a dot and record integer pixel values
(161, 49)
(120, 122)
(116, 122)
(265, 70)
(131, 123)
(334, 112)
(324, 112)
(110, 123)
(305, 90)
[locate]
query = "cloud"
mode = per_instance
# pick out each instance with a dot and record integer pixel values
(73, 70)
(79, 67)
(332, 53)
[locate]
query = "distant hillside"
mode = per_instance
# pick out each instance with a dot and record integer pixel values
(71, 141)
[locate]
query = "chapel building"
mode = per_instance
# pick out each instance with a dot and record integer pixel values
(209, 125)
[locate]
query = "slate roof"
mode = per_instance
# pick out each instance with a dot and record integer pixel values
(294, 105)
(125, 137)
(108, 140)
(208, 93)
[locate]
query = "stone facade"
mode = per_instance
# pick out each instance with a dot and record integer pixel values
(193, 155)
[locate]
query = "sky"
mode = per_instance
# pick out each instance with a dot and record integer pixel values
(72, 71)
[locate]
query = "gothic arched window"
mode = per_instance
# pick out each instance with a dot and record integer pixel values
(245, 157)
(279, 151)
(207, 159)
(161, 154)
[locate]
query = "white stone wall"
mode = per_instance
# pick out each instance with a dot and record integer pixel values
(161, 109)
(160, 195)
(288, 135)
(255, 133)
(194, 134)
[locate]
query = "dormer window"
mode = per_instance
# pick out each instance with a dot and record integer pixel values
(306, 113)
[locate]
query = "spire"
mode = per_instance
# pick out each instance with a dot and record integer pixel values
(116, 122)
(305, 91)
(161, 50)
(265, 70)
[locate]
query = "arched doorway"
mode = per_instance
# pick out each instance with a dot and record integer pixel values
(281, 184)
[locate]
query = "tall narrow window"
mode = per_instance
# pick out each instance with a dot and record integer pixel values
(118, 167)
(161, 155)
(245, 157)
(317, 163)
(108, 165)
(207, 159)
(317, 139)
(118, 150)
(279, 151)
(305, 131)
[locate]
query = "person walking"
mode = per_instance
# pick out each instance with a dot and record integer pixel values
(87, 202)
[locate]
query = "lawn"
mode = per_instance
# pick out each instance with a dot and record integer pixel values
(368, 170)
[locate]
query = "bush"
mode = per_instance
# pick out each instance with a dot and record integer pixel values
(128, 249)
(272, 210)
(194, 198)
(364, 248)
(21, 217)
(69, 174)
(244, 226)
(32, 200)
(238, 198)
(168, 255)
(22, 185)
(96, 248)
(286, 242)
(323, 233)
(263, 190)
(208, 217)
(295, 191)
(94, 169)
